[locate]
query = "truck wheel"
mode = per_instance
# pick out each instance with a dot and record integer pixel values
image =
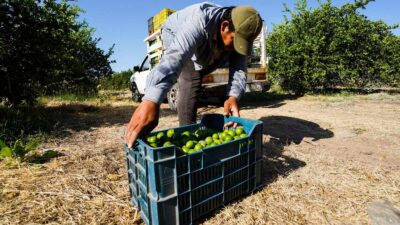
(136, 96)
(172, 97)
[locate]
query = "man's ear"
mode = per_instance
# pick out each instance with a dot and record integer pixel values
(224, 26)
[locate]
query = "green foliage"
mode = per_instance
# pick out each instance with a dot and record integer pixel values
(18, 149)
(5, 151)
(44, 49)
(321, 48)
(391, 69)
(117, 81)
(74, 97)
(27, 123)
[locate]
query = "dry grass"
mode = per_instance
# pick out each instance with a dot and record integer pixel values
(86, 186)
(325, 191)
(330, 179)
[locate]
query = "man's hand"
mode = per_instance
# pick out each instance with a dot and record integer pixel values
(231, 108)
(143, 121)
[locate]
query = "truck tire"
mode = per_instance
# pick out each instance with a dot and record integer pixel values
(173, 96)
(136, 96)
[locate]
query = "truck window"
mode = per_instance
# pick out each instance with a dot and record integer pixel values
(145, 64)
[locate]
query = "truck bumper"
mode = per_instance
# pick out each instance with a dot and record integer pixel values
(261, 85)
(219, 89)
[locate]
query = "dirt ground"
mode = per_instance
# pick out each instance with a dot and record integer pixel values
(325, 160)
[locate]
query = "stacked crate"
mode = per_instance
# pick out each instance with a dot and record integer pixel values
(153, 41)
(150, 25)
(161, 17)
(154, 23)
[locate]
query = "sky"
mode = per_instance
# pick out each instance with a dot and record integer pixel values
(124, 22)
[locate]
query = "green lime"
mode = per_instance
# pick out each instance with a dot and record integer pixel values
(215, 136)
(203, 143)
(236, 137)
(218, 142)
(213, 144)
(231, 133)
(239, 131)
(185, 149)
(198, 147)
(189, 144)
(243, 135)
(154, 145)
(191, 151)
(223, 136)
(160, 135)
(228, 138)
(209, 140)
(170, 133)
(152, 139)
(166, 144)
(226, 131)
(186, 133)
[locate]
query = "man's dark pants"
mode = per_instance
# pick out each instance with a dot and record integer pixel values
(189, 82)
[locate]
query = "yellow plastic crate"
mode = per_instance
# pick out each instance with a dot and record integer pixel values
(161, 17)
(156, 24)
(165, 12)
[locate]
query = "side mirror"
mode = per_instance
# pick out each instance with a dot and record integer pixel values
(136, 68)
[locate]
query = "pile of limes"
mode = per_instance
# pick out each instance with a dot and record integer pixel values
(195, 141)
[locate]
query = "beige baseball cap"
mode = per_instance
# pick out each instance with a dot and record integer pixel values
(248, 25)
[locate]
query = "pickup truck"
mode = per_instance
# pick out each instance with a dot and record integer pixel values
(213, 84)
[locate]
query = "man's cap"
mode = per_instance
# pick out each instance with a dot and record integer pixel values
(248, 24)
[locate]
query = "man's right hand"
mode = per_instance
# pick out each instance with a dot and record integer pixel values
(143, 121)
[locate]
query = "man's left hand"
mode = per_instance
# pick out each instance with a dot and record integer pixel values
(231, 108)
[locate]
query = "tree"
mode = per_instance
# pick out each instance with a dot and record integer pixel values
(330, 46)
(44, 49)
(117, 81)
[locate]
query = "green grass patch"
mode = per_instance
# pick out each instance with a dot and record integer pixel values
(74, 97)
(26, 124)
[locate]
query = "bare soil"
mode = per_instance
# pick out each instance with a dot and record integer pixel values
(325, 160)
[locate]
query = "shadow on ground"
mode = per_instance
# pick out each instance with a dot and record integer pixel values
(251, 101)
(45, 157)
(283, 131)
(62, 120)
(288, 130)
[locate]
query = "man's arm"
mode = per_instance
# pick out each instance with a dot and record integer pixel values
(237, 75)
(160, 80)
(236, 84)
(181, 49)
